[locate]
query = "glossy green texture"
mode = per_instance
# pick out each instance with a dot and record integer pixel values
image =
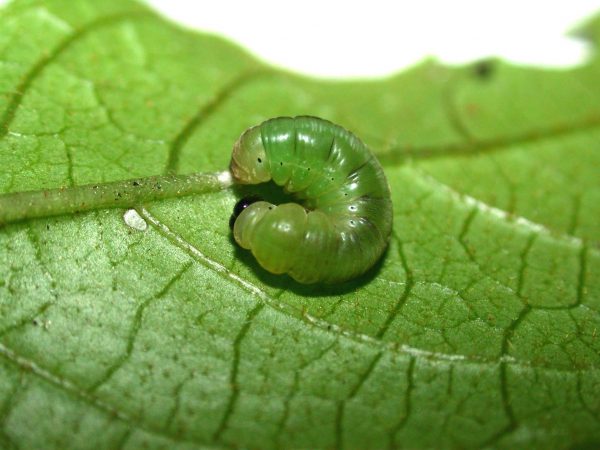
(344, 220)
(480, 329)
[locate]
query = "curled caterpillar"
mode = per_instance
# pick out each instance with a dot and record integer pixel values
(342, 222)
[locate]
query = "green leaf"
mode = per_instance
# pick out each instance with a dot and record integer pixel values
(481, 326)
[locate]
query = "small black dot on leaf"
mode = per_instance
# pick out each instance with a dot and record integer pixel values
(484, 69)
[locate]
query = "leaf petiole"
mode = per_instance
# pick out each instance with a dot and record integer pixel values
(18, 206)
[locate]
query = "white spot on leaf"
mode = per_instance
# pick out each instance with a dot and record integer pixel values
(134, 220)
(225, 178)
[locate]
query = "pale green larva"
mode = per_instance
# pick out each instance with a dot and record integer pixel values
(342, 221)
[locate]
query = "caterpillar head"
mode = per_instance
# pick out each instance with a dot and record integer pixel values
(242, 205)
(249, 164)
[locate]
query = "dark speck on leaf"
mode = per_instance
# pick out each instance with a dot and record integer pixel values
(483, 69)
(135, 183)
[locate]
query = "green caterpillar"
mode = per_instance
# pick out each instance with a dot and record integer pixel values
(342, 222)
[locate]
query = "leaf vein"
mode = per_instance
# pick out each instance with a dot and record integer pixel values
(397, 155)
(204, 112)
(235, 364)
(294, 389)
(341, 406)
(86, 397)
(135, 329)
(405, 294)
(36, 70)
(410, 374)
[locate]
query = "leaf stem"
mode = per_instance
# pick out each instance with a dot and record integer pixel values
(19, 206)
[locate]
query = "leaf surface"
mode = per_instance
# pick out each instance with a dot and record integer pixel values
(480, 327)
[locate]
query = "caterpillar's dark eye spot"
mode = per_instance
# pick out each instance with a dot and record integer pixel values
(281, 163)
(259, 160)
(308, 169)
(332, 178)
(352, 222)
(241, 205)
(270, 207)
